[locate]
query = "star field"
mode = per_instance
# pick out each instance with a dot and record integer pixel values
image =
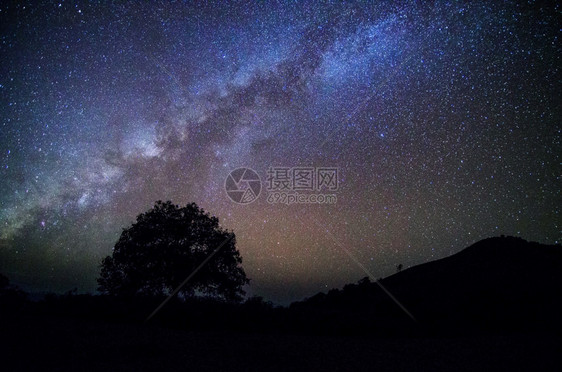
(444, 122)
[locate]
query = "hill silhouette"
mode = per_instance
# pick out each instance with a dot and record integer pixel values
(493, 306)
(503, 283)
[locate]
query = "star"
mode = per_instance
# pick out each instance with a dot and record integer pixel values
(442, 121)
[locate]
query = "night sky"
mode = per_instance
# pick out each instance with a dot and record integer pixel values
(443, 121)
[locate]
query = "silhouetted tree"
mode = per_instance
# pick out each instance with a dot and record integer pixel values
(399, 267)
(164, 246)
(11, 297)
(4, 282)
(365, 281)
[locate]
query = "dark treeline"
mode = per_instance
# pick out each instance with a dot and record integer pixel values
(497, 285)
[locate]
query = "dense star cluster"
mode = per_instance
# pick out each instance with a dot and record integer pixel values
(443, 120)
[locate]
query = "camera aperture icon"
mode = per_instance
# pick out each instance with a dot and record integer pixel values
(243, 185)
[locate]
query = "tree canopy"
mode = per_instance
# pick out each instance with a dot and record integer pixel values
(164, 246)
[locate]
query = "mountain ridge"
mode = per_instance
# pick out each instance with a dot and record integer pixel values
(503, 282)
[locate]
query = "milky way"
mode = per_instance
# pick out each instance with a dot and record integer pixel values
(443, 120)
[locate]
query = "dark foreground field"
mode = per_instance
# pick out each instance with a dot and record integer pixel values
(494, 306)
(66, 344)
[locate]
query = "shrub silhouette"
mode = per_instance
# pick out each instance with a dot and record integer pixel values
(164, 246)
(4, 282)
(11, 297)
